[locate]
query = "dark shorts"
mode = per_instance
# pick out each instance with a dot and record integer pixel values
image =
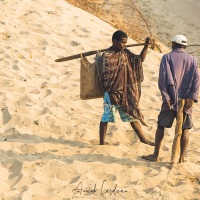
(166, 119)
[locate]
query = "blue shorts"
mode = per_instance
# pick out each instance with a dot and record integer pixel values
(110, 110)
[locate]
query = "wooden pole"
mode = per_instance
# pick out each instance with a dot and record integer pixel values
(178, 132)
(89, 53)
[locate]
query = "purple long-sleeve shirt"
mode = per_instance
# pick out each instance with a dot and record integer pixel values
(178, 78)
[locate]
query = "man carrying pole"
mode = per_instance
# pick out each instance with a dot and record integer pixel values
(121, 76)
(179, 86)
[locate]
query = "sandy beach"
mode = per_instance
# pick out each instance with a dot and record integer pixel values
(49, 137)
(169, 18)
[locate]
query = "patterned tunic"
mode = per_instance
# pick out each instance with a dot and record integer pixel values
(121, 76)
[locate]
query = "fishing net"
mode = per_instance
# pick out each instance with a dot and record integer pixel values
(123, 15)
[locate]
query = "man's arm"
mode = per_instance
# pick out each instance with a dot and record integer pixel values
(193, 96)
(145, 49)
(162, 81)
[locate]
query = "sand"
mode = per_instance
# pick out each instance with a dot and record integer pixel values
(169, 18)
(49, 137)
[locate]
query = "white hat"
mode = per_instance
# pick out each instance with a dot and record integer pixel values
(180, 39)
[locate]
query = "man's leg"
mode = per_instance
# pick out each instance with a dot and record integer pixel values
(108, 116)
(158, 140)
(138, 130)
(102, 132)
(184, 144)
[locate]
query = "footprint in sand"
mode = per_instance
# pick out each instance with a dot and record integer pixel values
(10, 162)
(24, 33)
(23, 101)
(6, 115)
(74, 43)
(32, 14)
(106, 176)
(37, 25)
(74, 180)
(15, 67)
(46, 92)
(112, 128)
(165, 148)
(44, 111)
(42, 41)
(1, 22)
(36, 30)
(84, 30)
(154, 79)
(44, 84)
(153, 99)
(11, 133)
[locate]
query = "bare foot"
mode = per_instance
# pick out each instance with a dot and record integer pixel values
(172, 165)
(148, 142)
(103, 143)
(181, 160)
(151, 158)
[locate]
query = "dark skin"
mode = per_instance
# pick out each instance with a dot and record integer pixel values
(158, 140)
(160, 130)
(118, 46)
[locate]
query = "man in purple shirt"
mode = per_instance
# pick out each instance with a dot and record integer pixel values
(178, 78)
